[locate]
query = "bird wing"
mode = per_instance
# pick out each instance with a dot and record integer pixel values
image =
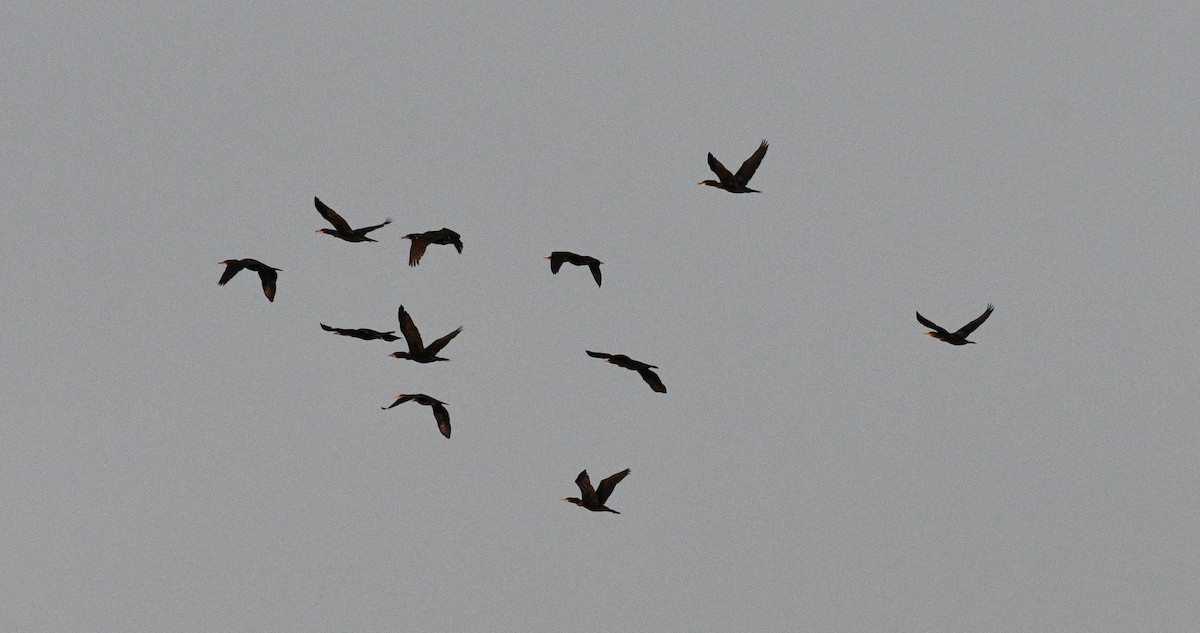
(608, 483)
(457, 244)
(232, 266)
(653, 380)
(268, 277)
(400, 399)
(931, 325)
(585, 487)
(437, 345)
(417, 250)
(715, 165)
(595, 272)
(443, 419)
(746, 171)
(330, 215)
(621, 360)
(410, 332)
(556, 260)
(367, 229)
(970, 327)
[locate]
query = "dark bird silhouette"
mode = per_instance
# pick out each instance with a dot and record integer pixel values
(955, 338)
(558, 257)
(416, 349)
(421, 241)
(267, 274)
(594, 499)
(439, 409)
(736, 183)
(621, 360)
(362, 333)
(341, 229)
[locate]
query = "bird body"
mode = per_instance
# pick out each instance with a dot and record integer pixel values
(417, 350)
(440, 414)
(959, 337)
(594, 499)
(341, 229)
(736, 183)
(421, 241)
(362, 333)
(643, 369)
(557, 258)
(266, 274)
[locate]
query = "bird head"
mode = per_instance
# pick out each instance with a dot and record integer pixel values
(710, 183)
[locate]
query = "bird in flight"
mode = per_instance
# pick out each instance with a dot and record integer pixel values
(736, 183)
(416, 349)
(341, 229)
(439, 409)
(558, 257)
(420, 241)
(621, 360)
(955, 338)
(362, 333)
(267, 274)
(594, 499)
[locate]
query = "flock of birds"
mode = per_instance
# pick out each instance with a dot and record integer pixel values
(593, 499)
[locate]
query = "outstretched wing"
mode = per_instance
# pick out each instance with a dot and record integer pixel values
(443, 419)
(595, 272)
(400, 399)
(437, 345)
(268, 277)
(232, 266)
(417, 250)
(715, 165)
(367, 229)
(409, 330)
(931, 325)
(970, 327)
(746, 171)
(607, 485)
(585, 487)
(331, 216)
(653, 380)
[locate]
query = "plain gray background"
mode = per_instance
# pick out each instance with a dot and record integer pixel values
(177, 456)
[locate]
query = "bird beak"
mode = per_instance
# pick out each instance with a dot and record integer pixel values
(563, 499)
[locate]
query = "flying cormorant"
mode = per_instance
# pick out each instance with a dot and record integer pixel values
(594, 499)
(621, 360)
(955, 338)
(267, 274)
(341, 229)
(416, 349)
(439, 410)
(558, 257)
(736, 183)
(420, 241)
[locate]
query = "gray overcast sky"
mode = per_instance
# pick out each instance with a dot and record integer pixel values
(178, 456)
